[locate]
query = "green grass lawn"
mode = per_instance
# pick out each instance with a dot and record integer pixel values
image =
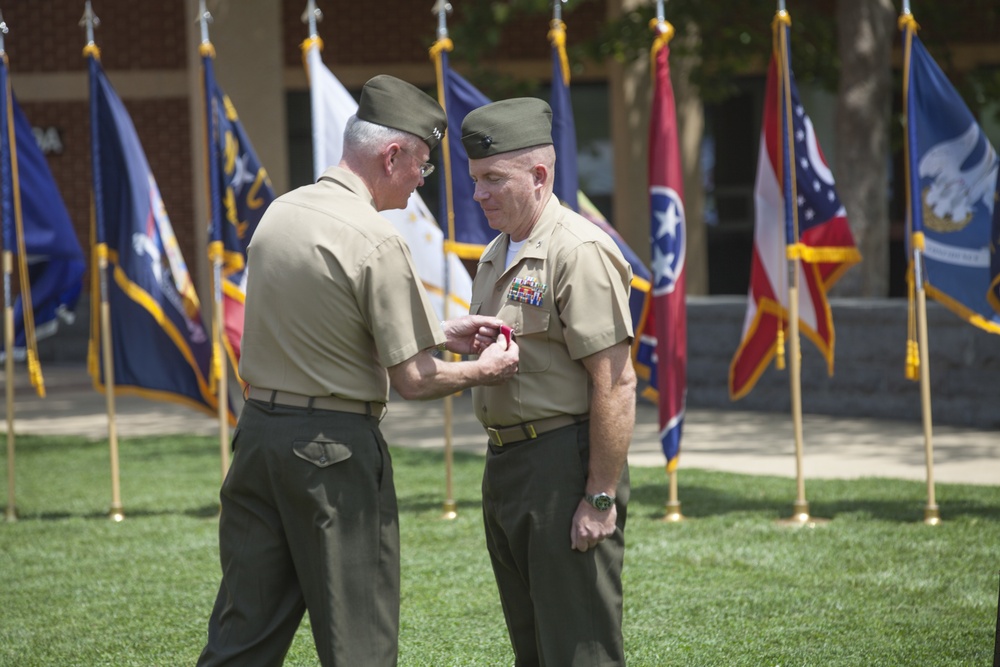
(729, 586)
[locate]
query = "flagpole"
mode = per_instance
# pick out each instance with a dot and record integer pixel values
(8, 335)
(800, 511)
(220, 364)
(441, 9)
(664, 33)
(116, 511)
(932, 514)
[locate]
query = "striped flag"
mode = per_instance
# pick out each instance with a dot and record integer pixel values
(797, 213)
(160, 347)
(332, 106)
(668, 236)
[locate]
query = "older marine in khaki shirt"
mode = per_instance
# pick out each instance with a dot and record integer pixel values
(352, 308)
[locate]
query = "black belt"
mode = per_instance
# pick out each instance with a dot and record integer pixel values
(287, 398)
(508, 435)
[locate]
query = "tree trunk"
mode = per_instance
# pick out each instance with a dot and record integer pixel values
(864, 37)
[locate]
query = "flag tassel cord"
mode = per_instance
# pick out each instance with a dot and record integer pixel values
(800, 512)
(441, 45)
(932, 514)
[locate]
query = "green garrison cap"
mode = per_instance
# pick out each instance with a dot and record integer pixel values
(392, 102)
(507, 125)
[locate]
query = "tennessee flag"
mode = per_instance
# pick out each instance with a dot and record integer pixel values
(37, 229)
(668, 237)
(816, 230)
(160, 347)
(952, 184)
(240, 192)
(332, 106)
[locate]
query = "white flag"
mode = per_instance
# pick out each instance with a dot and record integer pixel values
(331, 106)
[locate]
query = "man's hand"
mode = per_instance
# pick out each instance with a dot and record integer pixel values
(498, 362)
(471, 334)
(591, 525)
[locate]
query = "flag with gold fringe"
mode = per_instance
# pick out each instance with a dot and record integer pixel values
(160, 348)
(952, 171)
(37, 230)
(797, 214)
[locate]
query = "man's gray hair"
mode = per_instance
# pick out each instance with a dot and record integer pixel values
(368, 139)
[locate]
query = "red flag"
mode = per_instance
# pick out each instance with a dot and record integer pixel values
(668, 235)
(825, 244)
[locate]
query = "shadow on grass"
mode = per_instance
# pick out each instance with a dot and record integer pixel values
(703, 501)
(204, 512)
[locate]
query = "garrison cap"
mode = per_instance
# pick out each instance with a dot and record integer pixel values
(507, 125)
(392, 102)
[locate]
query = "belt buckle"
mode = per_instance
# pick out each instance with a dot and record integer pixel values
(529, 431)
(495, 436)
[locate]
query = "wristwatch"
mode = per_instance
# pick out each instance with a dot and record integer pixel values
(600, 501)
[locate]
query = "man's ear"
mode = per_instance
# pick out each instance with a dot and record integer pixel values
(540, 175)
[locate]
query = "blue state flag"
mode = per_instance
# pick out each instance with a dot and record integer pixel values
(160, 348)
(567, 188)
(240, 192)
(39, 219)
(466, 231)
(952, 186)
(567, 180)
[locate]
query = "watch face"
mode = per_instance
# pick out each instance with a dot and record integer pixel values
(602, 501)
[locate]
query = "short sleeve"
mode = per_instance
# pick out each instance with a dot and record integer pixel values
(394, 304)
(592, 296)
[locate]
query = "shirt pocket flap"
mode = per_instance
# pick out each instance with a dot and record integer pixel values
(321, 453)
(532, 320)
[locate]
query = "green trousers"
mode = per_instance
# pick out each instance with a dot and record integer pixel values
(563, 608)
(309, 522)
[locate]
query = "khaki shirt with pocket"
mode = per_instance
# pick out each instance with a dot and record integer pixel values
(333, 297)
(565, 295)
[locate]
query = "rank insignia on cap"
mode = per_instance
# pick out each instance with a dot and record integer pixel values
(527, 290)
(487, 141)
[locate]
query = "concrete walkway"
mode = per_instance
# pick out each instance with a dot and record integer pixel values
(728, 440)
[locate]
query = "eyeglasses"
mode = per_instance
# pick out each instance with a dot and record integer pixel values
(426, 168)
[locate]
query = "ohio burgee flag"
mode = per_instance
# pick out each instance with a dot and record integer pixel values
(797, 214)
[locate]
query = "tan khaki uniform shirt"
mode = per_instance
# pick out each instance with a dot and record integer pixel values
(333, 297)
(566, 297)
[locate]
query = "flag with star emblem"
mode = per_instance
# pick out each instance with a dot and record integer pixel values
(332, 105)
(821, 238)
(952, 169)
(668, 240)
(160, 348)
(239, 193)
